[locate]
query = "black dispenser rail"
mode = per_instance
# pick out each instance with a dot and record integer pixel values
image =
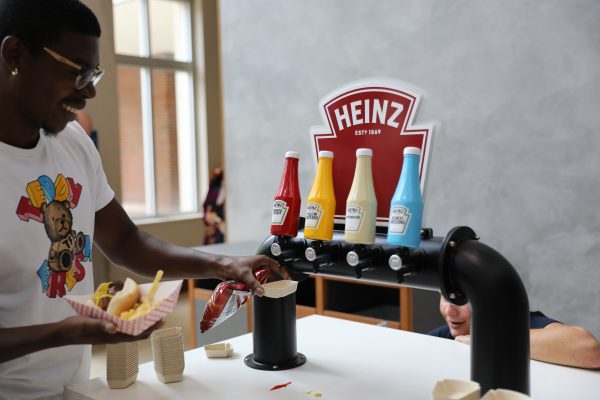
(459, 266)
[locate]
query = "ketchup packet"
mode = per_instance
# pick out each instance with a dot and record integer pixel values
(227, 298)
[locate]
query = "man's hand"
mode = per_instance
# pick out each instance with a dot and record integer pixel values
(242, 269)
(84, 330)
(16, 342)
(466, 339)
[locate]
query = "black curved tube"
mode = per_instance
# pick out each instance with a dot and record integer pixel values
(499, 318)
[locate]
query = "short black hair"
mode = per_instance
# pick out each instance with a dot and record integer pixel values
(39, 23)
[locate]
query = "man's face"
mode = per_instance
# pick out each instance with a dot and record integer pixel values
(458, 318)
(47, 96)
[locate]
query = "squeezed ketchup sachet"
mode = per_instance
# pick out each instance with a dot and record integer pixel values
(227, 298)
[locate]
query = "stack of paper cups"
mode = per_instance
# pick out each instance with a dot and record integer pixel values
(121, 364)
(167, 352)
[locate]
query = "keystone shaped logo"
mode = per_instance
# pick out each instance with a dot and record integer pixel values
(376, 114)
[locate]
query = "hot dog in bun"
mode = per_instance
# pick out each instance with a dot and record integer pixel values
(116, 297)
(124, 299)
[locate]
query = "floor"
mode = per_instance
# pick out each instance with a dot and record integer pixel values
(179, 317)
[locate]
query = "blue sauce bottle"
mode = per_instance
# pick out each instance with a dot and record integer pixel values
(406, 210)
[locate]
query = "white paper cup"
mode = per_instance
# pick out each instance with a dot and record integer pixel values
(452, 389)
(121, 383)
(167, 332)
(169, 378)
(167, 353)
(280, 288)
(122, 364)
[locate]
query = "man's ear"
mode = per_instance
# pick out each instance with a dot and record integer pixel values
(11, 52)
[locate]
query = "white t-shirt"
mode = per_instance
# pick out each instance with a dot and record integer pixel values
(48, 199)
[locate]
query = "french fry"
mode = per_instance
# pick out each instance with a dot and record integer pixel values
(147, 304)
(152, 290)
(140, 310)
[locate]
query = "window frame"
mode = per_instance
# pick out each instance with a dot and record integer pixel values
(147, 64)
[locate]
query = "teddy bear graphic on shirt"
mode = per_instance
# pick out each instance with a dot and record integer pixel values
(50, 202)
(65, 242)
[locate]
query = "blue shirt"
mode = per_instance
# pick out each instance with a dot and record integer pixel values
(537, 320)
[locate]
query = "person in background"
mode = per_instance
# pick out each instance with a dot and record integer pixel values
(86, 123)
(550, 340)
(214, 210)
(56, 201)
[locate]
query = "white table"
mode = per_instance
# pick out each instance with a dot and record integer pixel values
(346, 360)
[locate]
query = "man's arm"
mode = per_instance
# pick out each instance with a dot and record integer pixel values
(565, 345)
(127, 245)
(17, 342)
(561, 344)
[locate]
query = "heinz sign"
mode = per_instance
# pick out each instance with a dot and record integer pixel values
(377, 114)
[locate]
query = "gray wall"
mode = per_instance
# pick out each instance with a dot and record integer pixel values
(514, 85)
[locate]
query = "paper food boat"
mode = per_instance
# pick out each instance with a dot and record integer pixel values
(219, 350)
(280, 288)
(165, 298)
(451, 389)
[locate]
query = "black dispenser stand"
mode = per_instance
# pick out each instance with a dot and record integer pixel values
(458, 265)
(274, 335)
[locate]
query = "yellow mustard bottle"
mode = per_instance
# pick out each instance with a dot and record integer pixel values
(320, 208)
(361, 205)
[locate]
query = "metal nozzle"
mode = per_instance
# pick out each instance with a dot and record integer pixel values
(310, 254)
(352, 258)
(276, 249)
(395, 262)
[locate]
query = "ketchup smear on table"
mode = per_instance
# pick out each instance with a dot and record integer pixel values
(280, 386)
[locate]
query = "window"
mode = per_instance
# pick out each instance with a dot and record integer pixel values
(153, 42)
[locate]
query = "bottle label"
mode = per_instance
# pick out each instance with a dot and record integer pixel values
(280, 209)
(313, 215)
(399, 219)
(354, 217)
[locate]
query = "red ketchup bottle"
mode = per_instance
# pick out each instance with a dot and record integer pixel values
(286, 205)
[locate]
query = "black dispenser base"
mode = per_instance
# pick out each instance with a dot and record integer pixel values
(296, 362)
(274, 336)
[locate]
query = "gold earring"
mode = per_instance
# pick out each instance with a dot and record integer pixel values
(15, 71)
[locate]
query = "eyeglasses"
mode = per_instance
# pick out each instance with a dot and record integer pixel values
(86, 75)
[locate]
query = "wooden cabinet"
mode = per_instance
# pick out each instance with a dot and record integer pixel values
(367, 302)
(371, 303)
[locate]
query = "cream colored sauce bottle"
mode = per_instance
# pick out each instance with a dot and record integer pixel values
(361, 205)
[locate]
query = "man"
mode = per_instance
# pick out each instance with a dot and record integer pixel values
(550, 341)
(55, 201)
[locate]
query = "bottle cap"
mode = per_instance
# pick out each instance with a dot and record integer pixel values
(325, 154)
(292, 154)
(364, 152)
(412, 150)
